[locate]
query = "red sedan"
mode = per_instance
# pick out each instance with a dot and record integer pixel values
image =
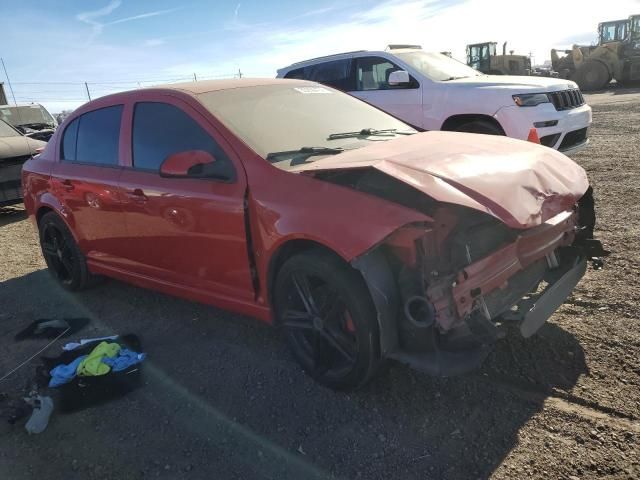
(311, 210)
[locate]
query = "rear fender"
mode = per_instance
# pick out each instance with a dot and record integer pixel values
(47, 201)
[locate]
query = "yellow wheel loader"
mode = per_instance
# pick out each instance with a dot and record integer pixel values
(482, 57)
(617, 56)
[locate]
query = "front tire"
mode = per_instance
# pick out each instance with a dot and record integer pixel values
(65, 261)
(592, 76)
(328, 318)
(479, 126)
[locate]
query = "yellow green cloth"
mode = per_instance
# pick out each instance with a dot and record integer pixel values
(92, 365)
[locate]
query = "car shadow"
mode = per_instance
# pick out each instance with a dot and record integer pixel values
(12, 214)
(223, 396)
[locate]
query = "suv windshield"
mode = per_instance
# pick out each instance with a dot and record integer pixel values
(287, 117)
(7, 131)
(26, 115)
(436, 66)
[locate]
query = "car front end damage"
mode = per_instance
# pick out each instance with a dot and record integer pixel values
(507, 231)
(447, 290)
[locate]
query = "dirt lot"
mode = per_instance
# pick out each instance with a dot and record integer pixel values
(222, 398)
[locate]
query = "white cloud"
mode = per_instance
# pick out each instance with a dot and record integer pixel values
(89, 17)
(97, 27)
(154, 42)
(534, 28)
(143, 15)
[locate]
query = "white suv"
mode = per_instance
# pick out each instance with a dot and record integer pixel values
(432, 91)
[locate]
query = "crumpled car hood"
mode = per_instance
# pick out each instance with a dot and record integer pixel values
(518, 182)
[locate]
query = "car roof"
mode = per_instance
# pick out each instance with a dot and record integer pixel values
(196, 88)
(336, 56)
(192, 89)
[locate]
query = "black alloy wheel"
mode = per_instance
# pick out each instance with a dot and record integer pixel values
(65, 261)
(57, 253)
(328, 318)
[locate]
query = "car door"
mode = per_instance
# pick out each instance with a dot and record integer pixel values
(372, 86)
(189, 232)
(85, 181)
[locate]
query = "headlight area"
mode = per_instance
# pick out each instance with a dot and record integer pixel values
(530, 99)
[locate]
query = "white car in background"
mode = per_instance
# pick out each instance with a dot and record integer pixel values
(432, 91)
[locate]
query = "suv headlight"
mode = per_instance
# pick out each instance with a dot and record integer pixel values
(530, 99)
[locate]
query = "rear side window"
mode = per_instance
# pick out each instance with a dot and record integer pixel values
(69, 140)
(160, 130)
(298, 74)
(336, 74)
(94, 137)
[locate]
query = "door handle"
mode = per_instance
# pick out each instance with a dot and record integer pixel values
(138, 195)
(68, 185)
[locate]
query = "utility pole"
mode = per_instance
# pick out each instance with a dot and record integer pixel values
(8, 82)
(87, 87)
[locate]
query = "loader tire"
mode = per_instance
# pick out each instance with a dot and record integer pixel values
(592, 76)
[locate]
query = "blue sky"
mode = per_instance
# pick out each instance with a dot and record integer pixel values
(51, 47)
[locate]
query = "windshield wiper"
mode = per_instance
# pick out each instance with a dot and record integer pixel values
(308, 151)
(368, 132)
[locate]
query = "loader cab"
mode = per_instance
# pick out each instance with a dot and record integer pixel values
(634, 30)
(479, 55)
(613, 31)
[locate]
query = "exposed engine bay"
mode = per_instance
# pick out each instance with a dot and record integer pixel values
(462, 280)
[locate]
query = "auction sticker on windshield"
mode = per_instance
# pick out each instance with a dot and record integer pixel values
(312, 90)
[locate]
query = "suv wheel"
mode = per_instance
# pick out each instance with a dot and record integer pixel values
(479, 126)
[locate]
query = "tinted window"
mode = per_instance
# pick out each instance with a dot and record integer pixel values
(336, 74)
(69, 141)
(298, 73)
(160, 129)
(99, 136)
(372, 73)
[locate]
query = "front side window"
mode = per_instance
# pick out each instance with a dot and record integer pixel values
(160, 130)
(372, 73)
(94, 137)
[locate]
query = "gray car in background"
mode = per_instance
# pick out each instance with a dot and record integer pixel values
(32, 120)
(15, 149)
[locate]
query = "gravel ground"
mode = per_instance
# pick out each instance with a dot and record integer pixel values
(222, 397)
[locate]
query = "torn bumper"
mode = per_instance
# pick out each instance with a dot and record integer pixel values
(553, 296)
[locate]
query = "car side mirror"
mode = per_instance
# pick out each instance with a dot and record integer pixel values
(190, 163)
(399, 77)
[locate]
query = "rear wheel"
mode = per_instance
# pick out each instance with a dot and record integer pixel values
(592, 76)
(65, 261)
(328, 318)
(479, 126)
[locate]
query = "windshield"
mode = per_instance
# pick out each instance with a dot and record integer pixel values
(436, 66)
(290, 116)
(26, 115)
(7, 131)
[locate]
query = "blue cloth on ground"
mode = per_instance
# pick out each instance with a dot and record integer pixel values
(64, 373)
(123, 360)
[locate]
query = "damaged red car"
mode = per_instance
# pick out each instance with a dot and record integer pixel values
(361, 238)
